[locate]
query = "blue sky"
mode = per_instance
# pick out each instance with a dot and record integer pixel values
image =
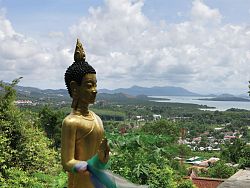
(201, 45)
(66, 12)
(40, 16)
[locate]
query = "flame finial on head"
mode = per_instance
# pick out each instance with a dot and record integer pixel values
(79, 52)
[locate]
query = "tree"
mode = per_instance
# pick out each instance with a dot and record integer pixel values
(244, 160)
(221, 170)
(142, 158)
(163, 127)
(51, 122)
(23, 146)
(186, 184)
(204, 141)
(233, 152)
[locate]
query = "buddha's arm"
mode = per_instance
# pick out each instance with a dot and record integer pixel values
(103, 151)
(68, 145)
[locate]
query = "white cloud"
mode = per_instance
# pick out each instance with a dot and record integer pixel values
(6, 29)
(200, 53)
(127, 48)
(24, 56)
(203, 14)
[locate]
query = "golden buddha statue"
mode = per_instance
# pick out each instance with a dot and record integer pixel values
(82, 130)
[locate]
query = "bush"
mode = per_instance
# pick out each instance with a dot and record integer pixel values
(23, 179)
(221, 170)
(51, 123)
(186, 184)
(141, 159)
(162, 127)
(24, 148)
(19, 178)
(160, 177)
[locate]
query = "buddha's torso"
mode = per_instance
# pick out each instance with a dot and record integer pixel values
(89, 133)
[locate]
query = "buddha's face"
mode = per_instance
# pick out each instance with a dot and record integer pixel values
(86, 92)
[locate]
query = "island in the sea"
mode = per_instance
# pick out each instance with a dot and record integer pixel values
(226, 97)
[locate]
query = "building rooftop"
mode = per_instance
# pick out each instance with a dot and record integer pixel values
(201, 182)
(240, 179)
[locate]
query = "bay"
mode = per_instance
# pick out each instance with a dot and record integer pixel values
(218, 105)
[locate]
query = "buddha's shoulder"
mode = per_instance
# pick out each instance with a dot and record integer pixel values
(93, 113)
(71, 119)
(95, 116)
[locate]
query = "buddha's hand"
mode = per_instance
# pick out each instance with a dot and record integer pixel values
(103, 151)
(80, 167)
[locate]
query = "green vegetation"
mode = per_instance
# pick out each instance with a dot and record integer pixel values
(146, 158)
(110, 115)
(143, 150)
(51, 121)
(237, 152)
(26, 158)
(219, 170)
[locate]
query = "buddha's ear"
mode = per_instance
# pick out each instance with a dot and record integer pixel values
(74, 89)
(74, 94)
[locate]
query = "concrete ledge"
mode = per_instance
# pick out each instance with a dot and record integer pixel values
(240, 179)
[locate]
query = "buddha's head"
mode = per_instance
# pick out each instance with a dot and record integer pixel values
(80, 78)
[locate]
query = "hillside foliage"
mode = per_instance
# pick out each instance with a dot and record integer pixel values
(141, 151)
(26, 158)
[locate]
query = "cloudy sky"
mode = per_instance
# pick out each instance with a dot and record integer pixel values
(201, 45)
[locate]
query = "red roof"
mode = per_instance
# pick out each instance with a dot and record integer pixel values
(201, 182)
(229, 136)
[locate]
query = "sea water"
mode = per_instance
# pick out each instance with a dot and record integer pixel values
(218, 105)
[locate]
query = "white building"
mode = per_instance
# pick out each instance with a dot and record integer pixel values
(156, 116)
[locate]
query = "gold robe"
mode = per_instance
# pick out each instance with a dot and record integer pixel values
(81, 138)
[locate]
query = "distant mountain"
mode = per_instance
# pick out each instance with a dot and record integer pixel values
(36, 94)
(152, 91)
(225, 95)
(122, 98)
(30, 90)
(121, 94)
(244, 95)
